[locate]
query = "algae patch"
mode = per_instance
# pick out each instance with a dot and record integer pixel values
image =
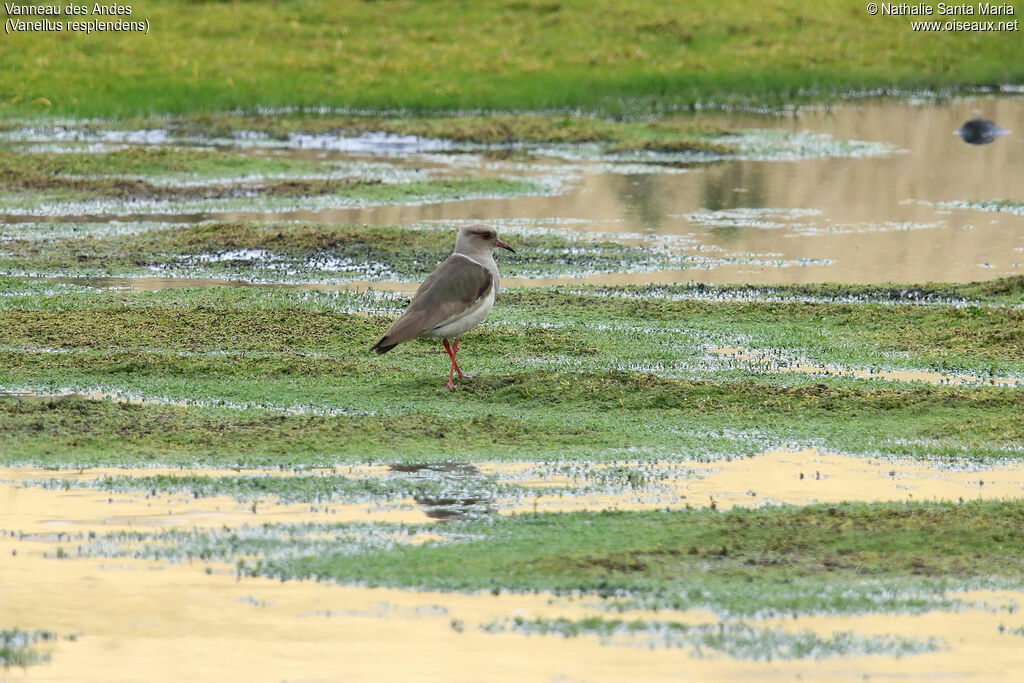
(1014, 207)
(18, 647)
(739, 640)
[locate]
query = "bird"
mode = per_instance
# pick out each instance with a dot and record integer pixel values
(453, 299)
(980, 131)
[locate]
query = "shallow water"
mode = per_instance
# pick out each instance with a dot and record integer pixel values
(860, 220)
(898, 212)
(161, 621)
(775, 477)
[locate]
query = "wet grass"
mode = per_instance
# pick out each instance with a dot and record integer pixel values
(996, 205)
(57, 195)
(300, 488)
(667, 141)
(625, 375)
(292, 251)
(16, 647)
(849, 558)
(580, 322)
(623, 57)
(256, 540)
(774, 560)
(66, 431)
(927, 332)
(608, 417)
(1001, 291)
(47, 189)
(21, 170)
(671, 134)
(735, 639)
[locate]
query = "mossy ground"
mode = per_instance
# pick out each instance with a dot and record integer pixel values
(35, 170)
(306, 252)
(623, 375)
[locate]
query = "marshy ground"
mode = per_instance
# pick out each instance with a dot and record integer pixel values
(650, 469)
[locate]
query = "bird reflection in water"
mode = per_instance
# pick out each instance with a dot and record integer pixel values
(460, 495)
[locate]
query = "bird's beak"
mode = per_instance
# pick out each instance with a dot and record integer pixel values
(499, 243)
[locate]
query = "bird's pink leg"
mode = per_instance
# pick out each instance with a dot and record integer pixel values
(451, 354)
(455, 351)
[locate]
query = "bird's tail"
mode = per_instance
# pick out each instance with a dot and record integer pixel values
(382, 345)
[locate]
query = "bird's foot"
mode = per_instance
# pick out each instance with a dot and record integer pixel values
(450, 385)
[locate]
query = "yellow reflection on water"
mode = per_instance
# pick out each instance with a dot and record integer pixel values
(144, 620)
(151, 620)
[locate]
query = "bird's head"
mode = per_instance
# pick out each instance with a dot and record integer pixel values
(478, 238)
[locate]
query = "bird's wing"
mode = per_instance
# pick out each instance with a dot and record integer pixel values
(457, 284)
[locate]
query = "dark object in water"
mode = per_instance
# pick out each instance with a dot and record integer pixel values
(980, 131)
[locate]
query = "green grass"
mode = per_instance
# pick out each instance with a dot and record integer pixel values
(569, 375)
(927, 332)
(614, 57)
(623, 374)
(601, 421)
(850, 558)
(32, 170)
(673, 140)
(743, 561)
